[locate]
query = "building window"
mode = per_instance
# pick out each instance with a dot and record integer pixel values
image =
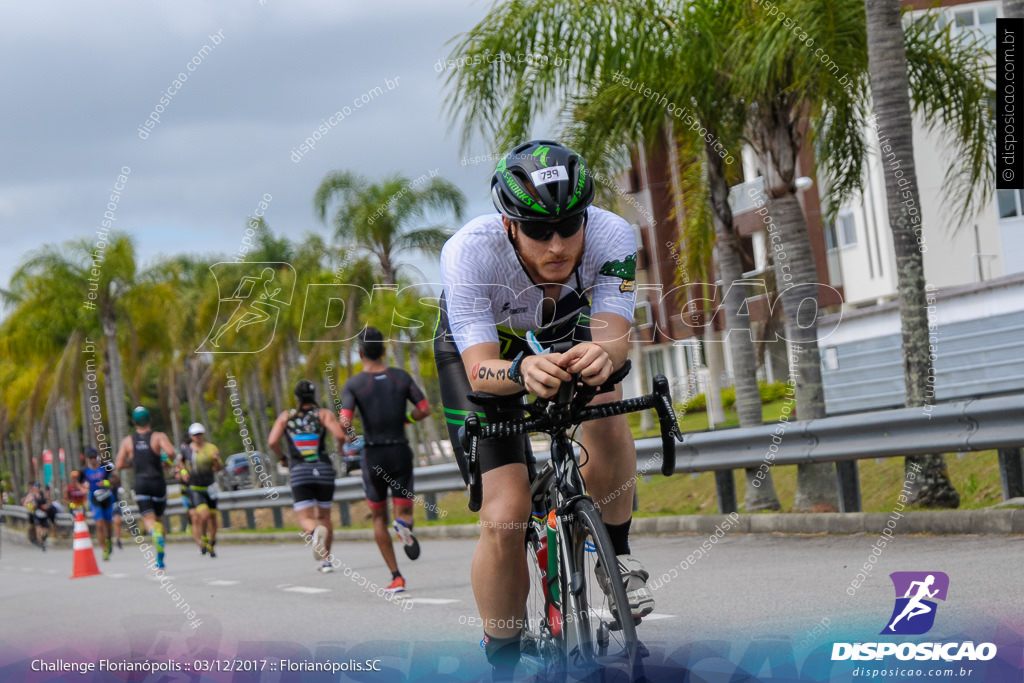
(842, 233)
(655, 363)
(1011, 203)
(846, 230)
(980, 18)
(831, 243)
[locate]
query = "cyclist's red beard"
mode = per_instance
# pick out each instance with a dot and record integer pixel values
(540, 263)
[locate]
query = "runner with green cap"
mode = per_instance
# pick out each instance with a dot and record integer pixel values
(148, 453)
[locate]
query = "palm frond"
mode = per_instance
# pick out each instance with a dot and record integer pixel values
(951, 92)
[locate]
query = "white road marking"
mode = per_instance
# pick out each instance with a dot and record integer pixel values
(653, 616)
(306, 589)
(115, 576)
(221, 582)
(427, 601)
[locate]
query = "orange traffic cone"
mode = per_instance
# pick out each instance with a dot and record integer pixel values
(85, 558)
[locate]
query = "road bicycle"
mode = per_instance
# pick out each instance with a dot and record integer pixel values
(571, 623)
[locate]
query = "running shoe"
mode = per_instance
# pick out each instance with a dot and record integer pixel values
(119, 546)
(209, 547)
(106, 555)
(202, 547)
(411, 545)
(326, 567)
(396, 586)
(319, 543)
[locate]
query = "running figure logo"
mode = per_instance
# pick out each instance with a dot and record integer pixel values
(914, 612)
(247, 317)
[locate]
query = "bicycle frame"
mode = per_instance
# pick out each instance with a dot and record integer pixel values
(559, 486)
(567, 486)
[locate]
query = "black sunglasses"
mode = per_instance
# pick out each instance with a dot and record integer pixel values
(542, 231)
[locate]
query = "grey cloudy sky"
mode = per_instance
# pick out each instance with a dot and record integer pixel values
(79, 79)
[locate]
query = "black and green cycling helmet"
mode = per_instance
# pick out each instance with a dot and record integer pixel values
(541, 180)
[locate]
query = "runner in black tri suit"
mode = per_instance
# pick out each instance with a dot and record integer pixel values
(148, 452)
(310, 469)
(380, 393)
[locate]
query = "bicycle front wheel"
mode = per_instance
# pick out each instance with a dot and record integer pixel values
(598, 616)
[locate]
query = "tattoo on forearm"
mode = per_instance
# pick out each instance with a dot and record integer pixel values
(488, 373)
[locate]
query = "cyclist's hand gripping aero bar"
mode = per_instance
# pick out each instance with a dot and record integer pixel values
(567, 410)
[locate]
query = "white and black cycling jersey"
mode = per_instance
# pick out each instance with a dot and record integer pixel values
(488, 294)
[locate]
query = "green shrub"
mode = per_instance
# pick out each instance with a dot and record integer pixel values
(769, 392)
(695, 404)
(772, 392)
(728, 397)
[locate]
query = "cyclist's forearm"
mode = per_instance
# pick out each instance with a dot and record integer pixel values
(616, 351)
(492, 377)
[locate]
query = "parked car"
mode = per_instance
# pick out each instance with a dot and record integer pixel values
(237, 473)
(352, 455)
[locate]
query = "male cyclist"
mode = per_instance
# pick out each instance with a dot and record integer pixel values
(380, 393)
(147, 452)
(102, 486)
(199, 472)
(311, 473)
(552, 264)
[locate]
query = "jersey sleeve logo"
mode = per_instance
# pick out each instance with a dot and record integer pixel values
(624, 269)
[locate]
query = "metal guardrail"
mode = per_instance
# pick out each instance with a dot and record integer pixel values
(976, 425)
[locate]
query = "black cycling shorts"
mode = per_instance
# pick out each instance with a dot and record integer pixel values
(312, 484)
(151, 496)
(197, 498)
(387, 467)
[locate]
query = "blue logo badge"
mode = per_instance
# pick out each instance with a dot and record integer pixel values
(916, 593)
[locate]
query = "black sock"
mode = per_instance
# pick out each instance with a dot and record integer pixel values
(396, 575)
(503, 653)
(619, 533)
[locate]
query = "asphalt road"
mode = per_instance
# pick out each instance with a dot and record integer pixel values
(264, 598)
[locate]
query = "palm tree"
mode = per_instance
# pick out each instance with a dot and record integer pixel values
(93, 289)
(798, 97)
(384, 218)
(891, 51)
